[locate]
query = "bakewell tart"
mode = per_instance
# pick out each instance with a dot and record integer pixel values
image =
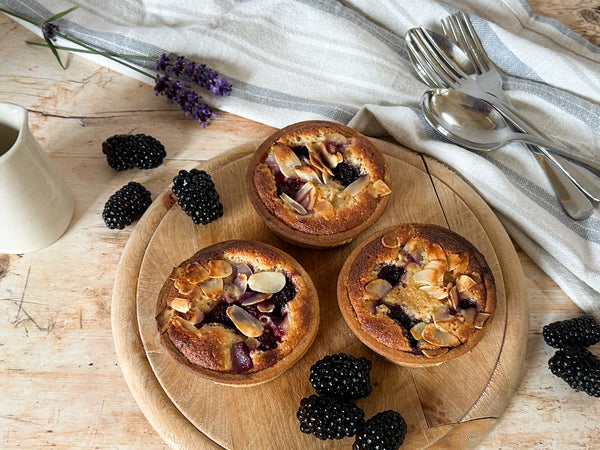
(318, 184)
(417, 294)
(238, 312)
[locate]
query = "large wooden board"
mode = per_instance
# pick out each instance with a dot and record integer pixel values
(456, 403)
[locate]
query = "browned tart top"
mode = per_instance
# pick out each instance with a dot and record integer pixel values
(237, 307)
(321, 178)
(421, 289)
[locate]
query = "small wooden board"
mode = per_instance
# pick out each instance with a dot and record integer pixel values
(455, 404)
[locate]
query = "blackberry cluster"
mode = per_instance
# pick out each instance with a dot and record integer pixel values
(126, 205)
(197, 196)
(578, 332)
(328, 417)
(345, 173)
(579, 368)
(384, 431)
(126, 151)
(573, 362)
(341, 376)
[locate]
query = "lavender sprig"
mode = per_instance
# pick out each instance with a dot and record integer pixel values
(175, 90)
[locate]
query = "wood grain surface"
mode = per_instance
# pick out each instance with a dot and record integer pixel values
(461, 413)
(61, 382)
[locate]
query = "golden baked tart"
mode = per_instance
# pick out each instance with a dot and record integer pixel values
(417, 294)
(318, 184)
(238, 312)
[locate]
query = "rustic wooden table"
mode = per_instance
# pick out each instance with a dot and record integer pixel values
(61, 384)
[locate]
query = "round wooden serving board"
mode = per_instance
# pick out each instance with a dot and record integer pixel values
(454, 404)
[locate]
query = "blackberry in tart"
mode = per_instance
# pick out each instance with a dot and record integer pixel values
(418, 294)
(238, 312)
(318, 184)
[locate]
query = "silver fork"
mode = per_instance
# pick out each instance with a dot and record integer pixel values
(459, 28)
(435, 67)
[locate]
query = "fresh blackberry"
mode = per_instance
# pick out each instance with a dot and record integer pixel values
(328, 417)
(197, 196)
(392, 274)
(345, 173)
(577, 332)
(126, 151)
(126, 205)
(579, 368)
(384, 431)
(341, 376)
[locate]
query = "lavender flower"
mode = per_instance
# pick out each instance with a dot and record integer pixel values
(179, 91)
(49, 30)
(198, 73)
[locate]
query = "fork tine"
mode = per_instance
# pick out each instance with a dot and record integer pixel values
(424, 68)
(437, 55)
(472, 41)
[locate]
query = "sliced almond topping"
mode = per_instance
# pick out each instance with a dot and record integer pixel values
(411, 246)
(427, 277)
(469, 315)
(286, 159)
(195, 273)
(330, 159)
(435, 252)
(454, 300)
(308, 201)
(433, 353)
(219, 268)
(438, 292)
(457, 263)
(180, 304)
(183, 285)
(255, 298)
(267, 282)
(442, 315)
(307, 173)
(452, 326)
(438, 265)
(289, 201)
(440, 338)
(314, 155)
(380, 189)
(196, 316)
(252, 343)
(417, 330)
(176, 273)
(480, 319)
(240, 283)
(265, 307)
(244, 269)
(464, 283)
(325, 209)
(245, 322)
(378, 288)
(391, 239)
(303, 191)
(357, 186)
(180, 322)
(164, 319)
(212, 288)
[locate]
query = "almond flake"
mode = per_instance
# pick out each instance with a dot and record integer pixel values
(314, 155)
(307, 174)
(440, 338)
(180, 304)
(391, 239)
(196, 316)
(480, 319)
(324, 209)
(417, 330)
(434, 353)
(438, 292)
(427, 277)
(265, 307)
(164, 319)
(195, 273)
(378, 288)
(442, 315)
(469, 315)
(464, 283)
(286, 159)
(180, 322)
(212, 288)
(435, 252)
(380, 189)
(457, 263)
(219, 268)
(267, 282)
(357, 186)
(240, 283)
(183, 285)
(255, 298)
(297, 207)
(245, 322)
(454, 300)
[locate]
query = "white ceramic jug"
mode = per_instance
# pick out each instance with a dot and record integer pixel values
(36, 204)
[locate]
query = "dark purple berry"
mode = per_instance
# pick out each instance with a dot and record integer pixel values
(345, 173)
(392, 274)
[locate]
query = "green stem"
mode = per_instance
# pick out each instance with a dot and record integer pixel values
(95, 52)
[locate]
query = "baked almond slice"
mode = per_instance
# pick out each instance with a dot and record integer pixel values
(267, 282)
(453, 297)
(357, 186)
(434, 353)
(330, 159)
(480, 319)
(307, 173)
(219, 268)
(325, 209)
(195, 273)
(440, 338)
(180, 304)
(438, 292)
(378, 288)
(266, 307)
(212, 288)
(297, 207)
(183, 285)
(195, 316)
(380, 189)
(309, 199)
(457, 262)
(316, 160)
(417, 330)
(255, 298)
(164, 319)
(464, 283)
(391, 239)
(286, 159)
(435, 252)
(245, 322)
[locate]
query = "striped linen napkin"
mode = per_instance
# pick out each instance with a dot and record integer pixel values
(346, 61)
